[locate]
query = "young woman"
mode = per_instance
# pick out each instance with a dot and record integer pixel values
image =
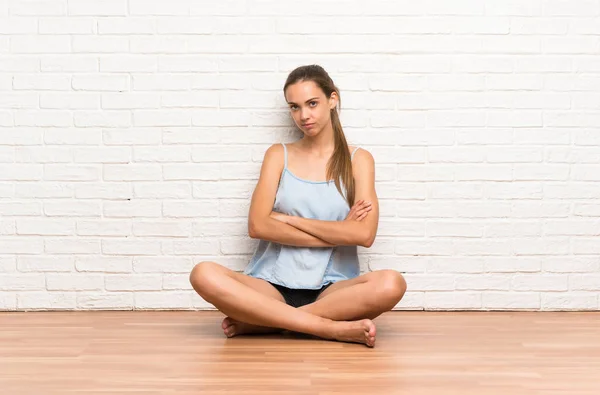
(314, 203)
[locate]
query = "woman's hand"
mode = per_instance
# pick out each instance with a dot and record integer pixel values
(279, 216)
(359, 211)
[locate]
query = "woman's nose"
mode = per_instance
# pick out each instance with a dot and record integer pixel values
(304, 114)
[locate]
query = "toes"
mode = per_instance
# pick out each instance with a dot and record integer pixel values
(226, 322)
(370, 340)
(372, 329)
(229, 331)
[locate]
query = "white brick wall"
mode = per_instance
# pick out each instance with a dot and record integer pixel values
(132, 132)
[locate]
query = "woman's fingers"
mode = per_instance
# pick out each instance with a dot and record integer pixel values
(353, 210)
(363, 213)
(361, 204)
(365, 208)
(360, 210)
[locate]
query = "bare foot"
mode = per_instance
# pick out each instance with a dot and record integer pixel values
(233, 328)
(362, 331)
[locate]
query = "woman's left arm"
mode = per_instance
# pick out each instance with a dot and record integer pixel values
(349, 232)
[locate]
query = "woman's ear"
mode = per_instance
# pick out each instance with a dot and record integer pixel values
(333, 101)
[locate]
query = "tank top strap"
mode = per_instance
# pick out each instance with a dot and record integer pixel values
(284, 156)
(353, 152)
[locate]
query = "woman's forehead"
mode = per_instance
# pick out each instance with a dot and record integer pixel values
(302, 91)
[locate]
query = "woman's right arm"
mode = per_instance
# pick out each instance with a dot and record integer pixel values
(260, 224)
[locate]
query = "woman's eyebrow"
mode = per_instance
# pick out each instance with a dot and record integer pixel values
(291, 102)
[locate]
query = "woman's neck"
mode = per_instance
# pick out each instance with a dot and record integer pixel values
(320, 145)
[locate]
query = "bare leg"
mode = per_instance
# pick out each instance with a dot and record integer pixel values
(232, 327)
(366, 296)
(245, 304)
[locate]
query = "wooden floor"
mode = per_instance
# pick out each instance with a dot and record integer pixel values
(185, 353)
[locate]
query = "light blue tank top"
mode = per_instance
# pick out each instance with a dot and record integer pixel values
(306, 267)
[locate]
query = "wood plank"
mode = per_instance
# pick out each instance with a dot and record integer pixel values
(186, 352)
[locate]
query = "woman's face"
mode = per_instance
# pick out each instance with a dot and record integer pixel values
(310, 108)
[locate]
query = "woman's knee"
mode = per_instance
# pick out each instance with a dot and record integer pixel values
(391, 287)
(204, 279)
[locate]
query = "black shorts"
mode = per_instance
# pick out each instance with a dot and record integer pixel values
(299, 297)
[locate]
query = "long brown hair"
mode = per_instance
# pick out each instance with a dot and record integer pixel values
(339, 166)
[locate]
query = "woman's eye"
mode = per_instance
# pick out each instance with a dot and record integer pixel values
(313, 102)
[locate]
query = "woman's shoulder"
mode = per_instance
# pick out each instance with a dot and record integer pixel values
(275, 147)
(274, 154)
(359, 152)
(362, 159)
